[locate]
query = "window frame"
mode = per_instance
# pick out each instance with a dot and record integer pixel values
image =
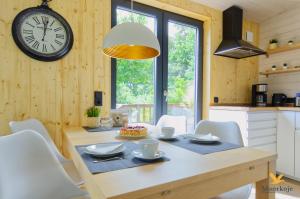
(161, 63)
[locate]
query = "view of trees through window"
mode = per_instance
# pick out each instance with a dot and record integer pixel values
(135, 79)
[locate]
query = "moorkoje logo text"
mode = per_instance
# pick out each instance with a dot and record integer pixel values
(286, 189)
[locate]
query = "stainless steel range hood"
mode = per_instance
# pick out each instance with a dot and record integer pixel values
(232, 45)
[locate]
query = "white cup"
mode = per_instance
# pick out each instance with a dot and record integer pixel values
(167, 132)
(149, 147)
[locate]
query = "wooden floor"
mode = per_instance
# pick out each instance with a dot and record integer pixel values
(295, 194)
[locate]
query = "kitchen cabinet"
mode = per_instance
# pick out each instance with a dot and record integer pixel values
(270, 130)
(297, 153)
(258, 128)
(286, 142)
(297, 146)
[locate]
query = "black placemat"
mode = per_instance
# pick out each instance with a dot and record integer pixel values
(129, 160)
(201, 148)
(100, 129)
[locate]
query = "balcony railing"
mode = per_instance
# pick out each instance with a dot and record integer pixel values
(145, 112)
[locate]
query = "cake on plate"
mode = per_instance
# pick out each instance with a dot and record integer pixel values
(134, 131)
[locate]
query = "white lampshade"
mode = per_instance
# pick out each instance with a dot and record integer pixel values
(131, 41)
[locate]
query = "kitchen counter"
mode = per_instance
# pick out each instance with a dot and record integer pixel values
(275, 129)
(249, 108)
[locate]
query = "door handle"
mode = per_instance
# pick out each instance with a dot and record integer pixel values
(166, 95)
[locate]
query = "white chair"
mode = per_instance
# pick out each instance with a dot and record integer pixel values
(231, 133)
(29, 169)
(36, 125)
(227, 131)
(178, 122)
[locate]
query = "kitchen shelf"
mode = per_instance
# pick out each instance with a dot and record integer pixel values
(280, 71)
(283, 48)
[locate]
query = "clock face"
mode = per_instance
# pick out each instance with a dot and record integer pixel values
(42, 34)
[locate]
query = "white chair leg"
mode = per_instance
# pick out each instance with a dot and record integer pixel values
(72, 172)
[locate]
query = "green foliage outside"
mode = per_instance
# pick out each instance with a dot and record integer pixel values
(135, 78)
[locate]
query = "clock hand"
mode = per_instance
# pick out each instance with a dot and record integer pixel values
(45, 28)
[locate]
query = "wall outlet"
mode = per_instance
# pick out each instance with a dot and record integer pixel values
(98, 98)
(249, 36)
(216, 100)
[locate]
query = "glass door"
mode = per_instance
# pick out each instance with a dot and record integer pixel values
(170, 84)
(182, 73)
(133, 82)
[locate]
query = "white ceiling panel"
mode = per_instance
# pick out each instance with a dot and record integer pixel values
(256, 10)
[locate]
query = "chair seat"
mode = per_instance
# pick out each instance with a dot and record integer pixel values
(239, 193)
(72, 172)
(37, 126)
(32, 171)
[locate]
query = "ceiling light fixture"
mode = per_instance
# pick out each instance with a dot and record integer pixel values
(131, 41)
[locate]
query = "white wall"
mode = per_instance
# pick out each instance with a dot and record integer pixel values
(283, 27)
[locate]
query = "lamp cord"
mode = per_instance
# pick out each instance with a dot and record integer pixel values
(131, 15)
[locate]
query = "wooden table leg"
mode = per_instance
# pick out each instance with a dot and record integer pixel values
(263, 185)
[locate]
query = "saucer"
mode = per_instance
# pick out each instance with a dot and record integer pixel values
(138, 154)
(162, 137)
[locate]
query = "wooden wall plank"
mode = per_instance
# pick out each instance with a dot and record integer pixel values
(283, 27)
(58, 93)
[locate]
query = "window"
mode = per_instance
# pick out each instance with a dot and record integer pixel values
(170, 84)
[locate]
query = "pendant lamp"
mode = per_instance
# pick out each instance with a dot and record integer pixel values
(131, 41)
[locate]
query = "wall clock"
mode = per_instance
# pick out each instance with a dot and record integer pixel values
(42, 33)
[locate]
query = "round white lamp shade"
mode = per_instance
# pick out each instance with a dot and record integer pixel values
(131, 41)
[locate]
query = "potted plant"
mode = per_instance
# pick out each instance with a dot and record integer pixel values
(273, 44)
(93, 117)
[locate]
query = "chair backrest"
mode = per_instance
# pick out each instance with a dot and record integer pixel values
(178, 122)
(227, 131)
(37, 126)
(29, 169)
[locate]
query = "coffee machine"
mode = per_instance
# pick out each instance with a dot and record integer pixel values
(259, 94)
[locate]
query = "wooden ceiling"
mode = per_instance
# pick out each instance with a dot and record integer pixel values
(255, 10)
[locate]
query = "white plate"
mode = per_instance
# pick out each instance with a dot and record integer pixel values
(138, 154)
(162, 137)
(203, 138)
(113, 153)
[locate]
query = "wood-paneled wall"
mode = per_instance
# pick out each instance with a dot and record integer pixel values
(283, 27)
(58, 93)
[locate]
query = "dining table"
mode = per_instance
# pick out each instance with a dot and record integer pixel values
(187, 175)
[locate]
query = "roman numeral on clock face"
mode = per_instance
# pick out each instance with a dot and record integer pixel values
(54, 49)
(52, 23)
(58, 42)
(30, 24)
(36, 45)
(29, 38)
(36, 19)
(28, 32)
(45, 19)
(58, 29)
(60, 36)
(44, 48)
